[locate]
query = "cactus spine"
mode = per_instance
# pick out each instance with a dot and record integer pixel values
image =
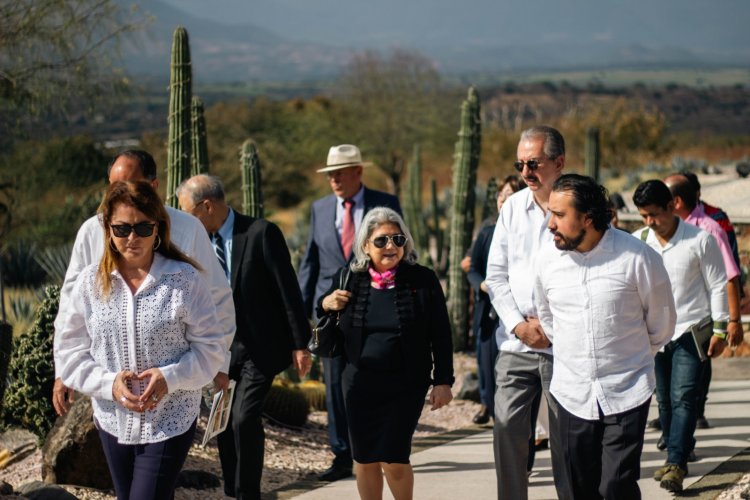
(180, 90)
(413, 206)
(252, 198)
(592, 153)
(198, 139)
(465, 163)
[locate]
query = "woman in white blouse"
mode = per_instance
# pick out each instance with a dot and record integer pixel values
(141, 338)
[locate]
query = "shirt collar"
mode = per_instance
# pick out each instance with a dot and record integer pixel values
(227, 228)
(696, 214)
(358, 199)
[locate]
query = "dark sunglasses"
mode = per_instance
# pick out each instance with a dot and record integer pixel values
(532, 164)
(397, 239)
(142, 229)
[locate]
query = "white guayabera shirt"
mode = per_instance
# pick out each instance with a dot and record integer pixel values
(169, 323)
(520, 233)
(607, 312)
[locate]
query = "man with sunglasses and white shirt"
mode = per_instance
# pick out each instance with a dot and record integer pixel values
(187, 233)
(524, 365)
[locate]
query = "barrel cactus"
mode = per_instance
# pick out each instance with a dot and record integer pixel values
(28, 398)
(180, 92)
(465, 164)
(286, 404)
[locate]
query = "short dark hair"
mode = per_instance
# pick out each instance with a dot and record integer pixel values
(144, 159)
(681, 186)
(653, 192)
(589, 198)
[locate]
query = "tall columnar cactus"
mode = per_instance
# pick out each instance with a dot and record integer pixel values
(180, 92)
(465, 164)
(436, 231)
(592, 153)
(489, 210)
(198, 139)
(252, 197)
(413, 206)
(28, 398)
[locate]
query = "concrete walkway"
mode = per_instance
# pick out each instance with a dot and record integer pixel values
(464, 469)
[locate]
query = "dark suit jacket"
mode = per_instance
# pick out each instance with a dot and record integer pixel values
(423, 319)
(484, 326)
(323, 255)
(271, 319)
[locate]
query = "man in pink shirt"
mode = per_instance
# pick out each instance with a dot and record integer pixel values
(688, 209)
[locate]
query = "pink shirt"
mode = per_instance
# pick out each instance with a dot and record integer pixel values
(699, 218)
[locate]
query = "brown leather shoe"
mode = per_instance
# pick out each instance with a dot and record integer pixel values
(672, 478)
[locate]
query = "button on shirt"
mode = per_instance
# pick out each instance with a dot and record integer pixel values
(607, 312)
(696, 271)
(520, 232)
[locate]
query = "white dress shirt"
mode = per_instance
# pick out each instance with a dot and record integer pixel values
(520, 232)
(697, 273)
(169, 323)
(189, 235)
(607, 312)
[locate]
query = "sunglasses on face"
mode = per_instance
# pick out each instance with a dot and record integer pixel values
(398, 240)
(531, 164)
(142, 229)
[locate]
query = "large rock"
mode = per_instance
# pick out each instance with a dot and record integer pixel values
(72, 453)
(469, 388)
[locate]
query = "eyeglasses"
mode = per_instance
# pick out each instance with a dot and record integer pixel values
(142, 229)
(397, 239)
(532, 164)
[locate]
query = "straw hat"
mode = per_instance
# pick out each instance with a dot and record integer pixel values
(343, 156)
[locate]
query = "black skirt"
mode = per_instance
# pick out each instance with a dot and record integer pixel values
(383, 403)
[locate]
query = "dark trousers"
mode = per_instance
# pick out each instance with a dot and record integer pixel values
(242, 444)
(487, 352)
(703, 386)
(146, 471)
(602, 457)
(678, 376)
(338, 431)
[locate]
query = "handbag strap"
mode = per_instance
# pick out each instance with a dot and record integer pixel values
(344, 278)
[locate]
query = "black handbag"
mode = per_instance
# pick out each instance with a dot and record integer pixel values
(327, 341)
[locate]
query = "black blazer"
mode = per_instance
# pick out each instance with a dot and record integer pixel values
(323, 254)
(423, 317)
(271, 320)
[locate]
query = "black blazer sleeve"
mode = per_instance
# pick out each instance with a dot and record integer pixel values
(279, 263)
(439, 331)
(480, 250)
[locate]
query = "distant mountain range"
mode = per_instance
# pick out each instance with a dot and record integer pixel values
(286, 40)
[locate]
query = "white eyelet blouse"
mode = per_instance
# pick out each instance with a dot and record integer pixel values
(170, 323)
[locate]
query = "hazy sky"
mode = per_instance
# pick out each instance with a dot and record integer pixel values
(696, 24)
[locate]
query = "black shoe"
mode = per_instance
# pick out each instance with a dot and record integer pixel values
(541, 444)
(335, 472)
(702, 423)
(654, 424)
(482, 416)
(661, 445)
(692, 457)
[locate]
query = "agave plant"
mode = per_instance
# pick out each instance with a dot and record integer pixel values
(20, 306)
(54, 261)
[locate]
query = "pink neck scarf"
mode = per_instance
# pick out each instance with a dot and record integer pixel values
(383, 280)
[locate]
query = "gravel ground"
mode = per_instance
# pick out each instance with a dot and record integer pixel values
(291, 454)
(739, 491)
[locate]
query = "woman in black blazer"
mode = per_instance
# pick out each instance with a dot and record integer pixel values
(397, 342)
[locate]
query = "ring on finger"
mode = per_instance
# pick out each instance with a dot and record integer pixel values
(154, 397)
(123, 399)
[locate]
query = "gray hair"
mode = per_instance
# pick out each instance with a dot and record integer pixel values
(373, 220)
(554, 144)
(202, 187)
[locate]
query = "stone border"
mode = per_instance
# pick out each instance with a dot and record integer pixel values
(722, 477)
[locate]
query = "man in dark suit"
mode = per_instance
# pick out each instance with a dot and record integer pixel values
(272, 328)
(334, 221)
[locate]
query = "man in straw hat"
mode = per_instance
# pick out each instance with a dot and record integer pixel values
(334, 220)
